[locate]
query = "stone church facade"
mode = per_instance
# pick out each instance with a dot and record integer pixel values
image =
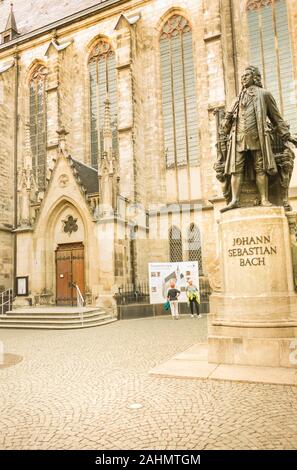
(108, 115)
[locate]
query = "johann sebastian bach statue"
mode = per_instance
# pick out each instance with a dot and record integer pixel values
(245, 142)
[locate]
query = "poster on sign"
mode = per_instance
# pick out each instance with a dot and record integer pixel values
(160, 275)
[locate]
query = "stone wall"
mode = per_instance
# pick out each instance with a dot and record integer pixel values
(143, 173)
(6, 260)
(6, 176)
(6, 146)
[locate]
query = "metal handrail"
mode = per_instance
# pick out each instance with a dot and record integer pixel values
(80, 302)
(5, 299)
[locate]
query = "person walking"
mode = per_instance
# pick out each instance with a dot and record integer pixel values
(194, 298)
(172, 297)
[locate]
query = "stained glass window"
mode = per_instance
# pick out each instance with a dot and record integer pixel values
(38, 124)
(270, 50)
(179, 107)
(102, 75)
(175, 244)
(194, 246)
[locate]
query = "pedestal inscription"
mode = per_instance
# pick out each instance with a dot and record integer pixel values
(252, 251)
(255, 252)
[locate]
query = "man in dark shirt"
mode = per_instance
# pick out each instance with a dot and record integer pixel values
(172, 296)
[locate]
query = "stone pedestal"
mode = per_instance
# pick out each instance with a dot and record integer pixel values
(20, 301)
(253, 321)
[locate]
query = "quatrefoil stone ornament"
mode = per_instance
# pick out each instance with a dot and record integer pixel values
(257, 4)
(63, 181)
(70, 225)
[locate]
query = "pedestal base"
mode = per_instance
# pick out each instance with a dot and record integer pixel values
(21, 301)
(193, 364)
(273, 346)
(254, 320)
(107, 301)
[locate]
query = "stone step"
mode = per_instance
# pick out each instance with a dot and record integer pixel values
(53, 317)
(61, 326)
(54, 311)
(76, 319)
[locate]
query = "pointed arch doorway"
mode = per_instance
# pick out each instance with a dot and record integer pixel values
(69, 272)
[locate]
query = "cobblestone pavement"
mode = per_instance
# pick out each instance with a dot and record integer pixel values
(73, 390)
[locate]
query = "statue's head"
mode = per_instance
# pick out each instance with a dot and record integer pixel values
(251, 76)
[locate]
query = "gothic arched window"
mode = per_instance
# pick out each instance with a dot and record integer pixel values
(194, 246)
(102, 75)
(179, 105)
(270, 50)
(175, 244)
(38, 124)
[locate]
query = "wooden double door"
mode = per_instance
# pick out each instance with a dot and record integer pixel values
(69, 272)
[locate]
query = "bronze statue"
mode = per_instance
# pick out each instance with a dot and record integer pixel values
(245, 145)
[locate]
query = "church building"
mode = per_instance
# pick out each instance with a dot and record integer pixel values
(108, 128)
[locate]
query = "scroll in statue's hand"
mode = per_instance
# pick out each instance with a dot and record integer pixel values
(293, 139)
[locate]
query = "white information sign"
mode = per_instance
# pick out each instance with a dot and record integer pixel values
(160, 275)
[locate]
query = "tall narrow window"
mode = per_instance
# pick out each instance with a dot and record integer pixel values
(194, 246)
(102, 74)
(38, 124)
(270, 50)
(178, 93)
(175, 244)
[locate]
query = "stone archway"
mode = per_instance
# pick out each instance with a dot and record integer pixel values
(64, 226)
(67, 240)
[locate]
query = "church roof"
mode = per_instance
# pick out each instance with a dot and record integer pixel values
(33, 14)
(87, 175)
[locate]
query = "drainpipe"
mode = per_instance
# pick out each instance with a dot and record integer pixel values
(15, 166)
(234, 49)
(133, 235)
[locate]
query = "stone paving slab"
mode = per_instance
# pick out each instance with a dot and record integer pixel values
(185, 369)
(270, 375)
(77, 389)
(198, 352)
(193, 363)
